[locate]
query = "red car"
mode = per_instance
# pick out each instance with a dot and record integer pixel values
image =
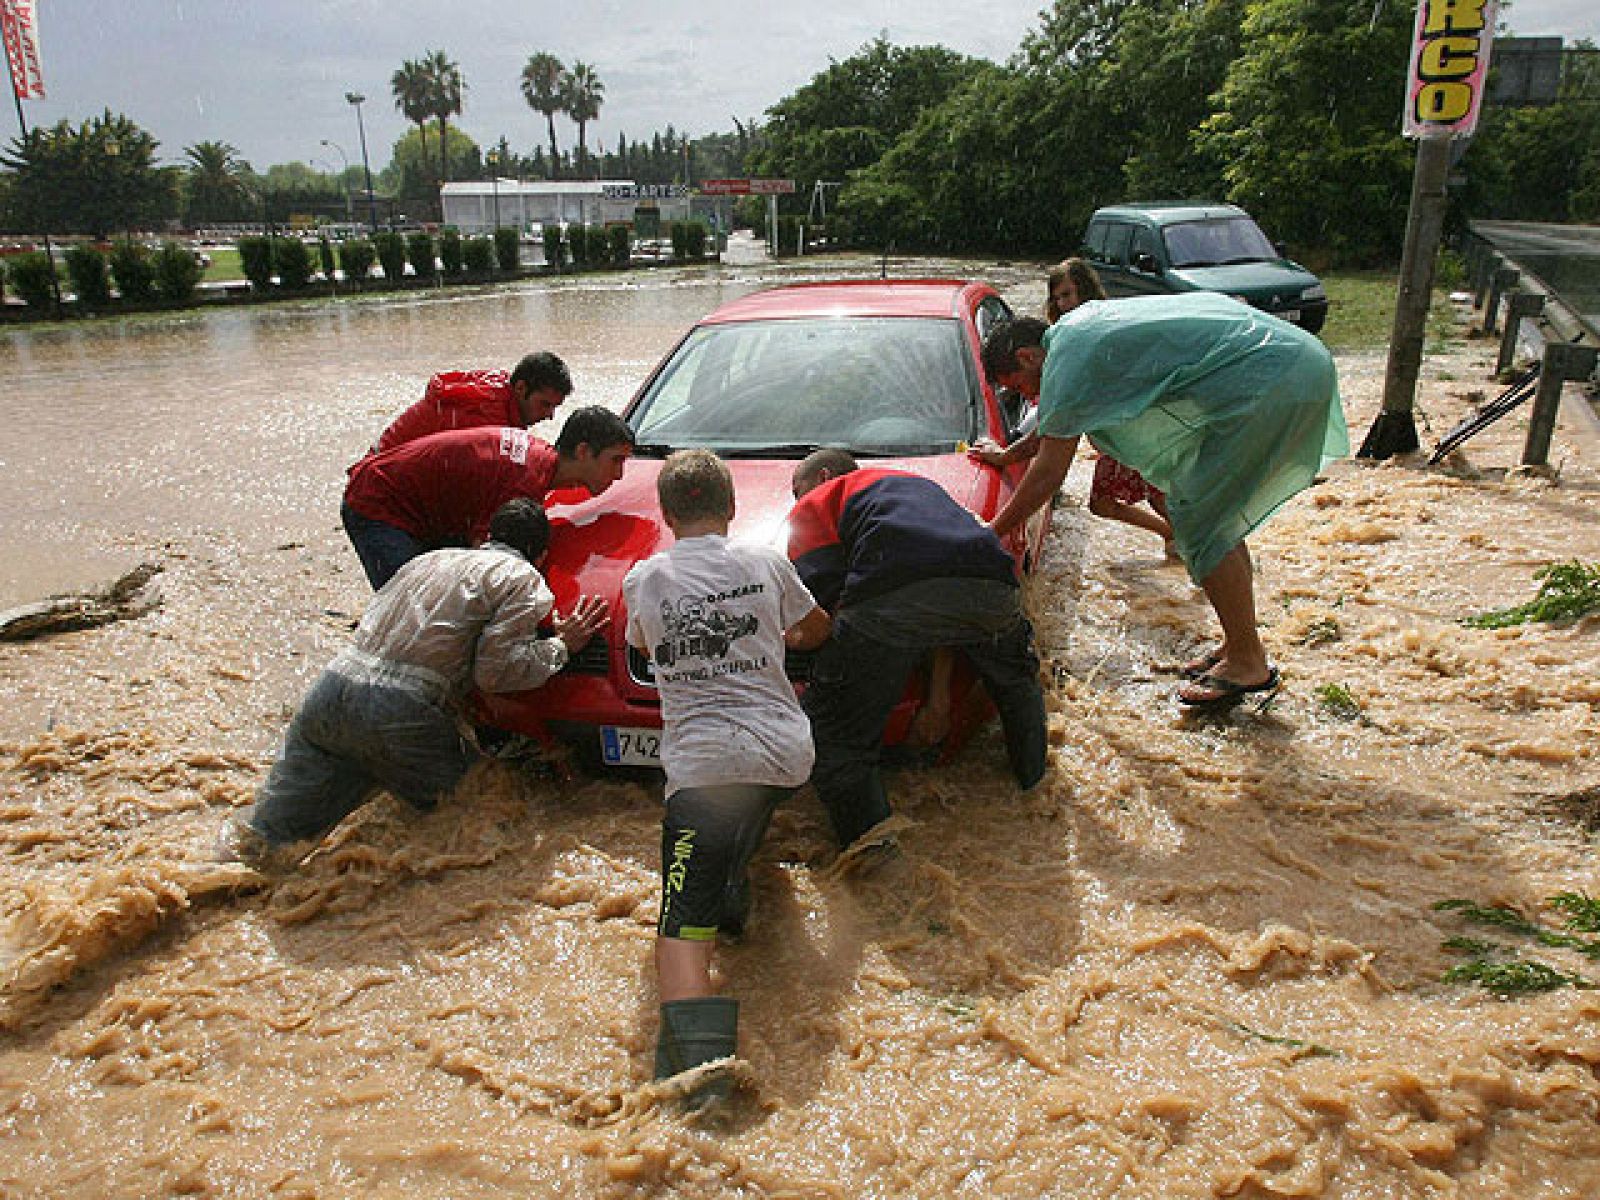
(889, 370)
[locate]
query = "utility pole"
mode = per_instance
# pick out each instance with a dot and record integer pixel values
(1446, 81)
(356, 100)
(1395, 430)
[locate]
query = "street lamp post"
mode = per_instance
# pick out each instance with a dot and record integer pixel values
(345, 159)
(494, 178)
(356, 99)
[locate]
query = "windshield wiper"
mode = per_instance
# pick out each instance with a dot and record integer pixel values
(775, 450)
(653, 449)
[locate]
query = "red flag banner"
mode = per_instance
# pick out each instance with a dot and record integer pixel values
(18, 23)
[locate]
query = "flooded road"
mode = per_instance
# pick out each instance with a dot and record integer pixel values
(1199, 960)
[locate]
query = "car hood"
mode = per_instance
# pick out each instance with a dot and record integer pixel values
(593, 543)
(1278, 279)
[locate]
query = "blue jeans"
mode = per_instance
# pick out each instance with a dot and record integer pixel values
(382, 548)
(350, 739)
(855, 683)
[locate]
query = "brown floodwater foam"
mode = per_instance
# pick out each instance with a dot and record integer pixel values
(1200, 959)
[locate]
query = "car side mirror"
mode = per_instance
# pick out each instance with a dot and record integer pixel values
(1146, 262)
(1283, 251)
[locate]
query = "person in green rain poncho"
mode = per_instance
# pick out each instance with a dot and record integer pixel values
(1227, 410)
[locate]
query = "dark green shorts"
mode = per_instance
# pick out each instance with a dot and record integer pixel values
(707, 840)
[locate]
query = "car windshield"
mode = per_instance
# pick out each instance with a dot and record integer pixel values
(1217, 242)
(877, 385)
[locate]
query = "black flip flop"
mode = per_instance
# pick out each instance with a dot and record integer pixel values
(1228, 692)
(1201, 666)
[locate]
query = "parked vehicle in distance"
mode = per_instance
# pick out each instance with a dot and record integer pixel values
(887, 369)
(1150, 249)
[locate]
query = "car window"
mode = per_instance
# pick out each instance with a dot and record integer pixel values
(1118, 235)
(1217, 242)
(993, 311)
(877, 385)
(1144, 242)
(1094, 241)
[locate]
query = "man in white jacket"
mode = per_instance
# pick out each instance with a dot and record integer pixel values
(384, 715)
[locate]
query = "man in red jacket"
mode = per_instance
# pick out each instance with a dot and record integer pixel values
(464, 399)
(441, 490)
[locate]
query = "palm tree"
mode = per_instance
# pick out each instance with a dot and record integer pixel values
(542, 80)
(582, 94)
(445, 86)
(216, 177)
(413, 96)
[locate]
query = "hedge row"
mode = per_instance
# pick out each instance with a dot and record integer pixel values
(170, 275)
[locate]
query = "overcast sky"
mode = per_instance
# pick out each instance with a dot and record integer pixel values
(269, 76)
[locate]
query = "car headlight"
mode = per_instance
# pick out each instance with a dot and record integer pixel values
(1315, 292)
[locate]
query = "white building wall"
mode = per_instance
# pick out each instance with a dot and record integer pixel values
(471, 207)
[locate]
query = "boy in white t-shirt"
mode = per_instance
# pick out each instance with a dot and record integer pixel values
(715, 617)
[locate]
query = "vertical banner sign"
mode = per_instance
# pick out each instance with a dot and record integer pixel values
(17, 22)
(1449, 67)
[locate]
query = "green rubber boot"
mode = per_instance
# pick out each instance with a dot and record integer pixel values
(694, 1032)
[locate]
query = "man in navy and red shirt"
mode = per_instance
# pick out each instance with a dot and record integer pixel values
(441, 490)
(904, 569)
(531, 393)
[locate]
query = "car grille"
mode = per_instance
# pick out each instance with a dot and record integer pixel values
(593, 659)
(796, 664)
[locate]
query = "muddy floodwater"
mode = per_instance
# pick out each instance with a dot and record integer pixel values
(1201, 959)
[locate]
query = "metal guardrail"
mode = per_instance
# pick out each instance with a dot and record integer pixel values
(1565, 338)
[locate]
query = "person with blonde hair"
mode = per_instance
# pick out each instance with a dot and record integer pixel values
(715, 616)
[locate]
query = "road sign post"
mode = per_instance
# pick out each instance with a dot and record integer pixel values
(1449, 69)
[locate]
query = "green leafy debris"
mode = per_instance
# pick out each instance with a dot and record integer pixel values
(1581, 909)
(1498, 916)
(1513, 977)
(1497, 968)
(1306, 1049)
(1337, 702)
(1567, 591)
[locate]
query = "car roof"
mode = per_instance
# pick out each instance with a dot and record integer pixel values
(850, 298)
(1172, 212)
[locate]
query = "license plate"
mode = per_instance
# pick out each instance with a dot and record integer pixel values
(621, 746)
(1290, 314)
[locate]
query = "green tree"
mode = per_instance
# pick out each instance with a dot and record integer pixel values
(542, 77)
(215, 183)
(413, 96)
(92, 178)
(849, 115)
(582, 95)
(411, 177)
(445, 88)
(1541, 164)
(1308, 126)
